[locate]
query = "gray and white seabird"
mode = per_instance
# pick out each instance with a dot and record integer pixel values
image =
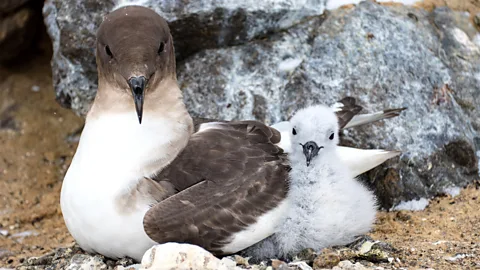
(145, 172)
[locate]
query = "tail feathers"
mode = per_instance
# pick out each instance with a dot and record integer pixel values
(362, 160)
(362, 119)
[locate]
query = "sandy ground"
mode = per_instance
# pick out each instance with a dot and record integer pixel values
(446, 235)
(34, 156)
(471, 6)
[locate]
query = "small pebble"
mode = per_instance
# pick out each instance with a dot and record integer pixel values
(86, 262)
(130, 267)
(300, 265)
(241, 260)
(326, 260)
(476, 19)
(348, 265)
(403, 216)
(307, 255)
(277, 264)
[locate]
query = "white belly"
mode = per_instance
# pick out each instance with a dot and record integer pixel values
(96, 224)
(114, 153)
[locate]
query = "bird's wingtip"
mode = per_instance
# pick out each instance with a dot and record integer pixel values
(392, 153)
(389, 113)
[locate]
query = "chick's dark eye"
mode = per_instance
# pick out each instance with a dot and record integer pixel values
(107, 50)
(294, 131)
(332, 136)
(161, 48)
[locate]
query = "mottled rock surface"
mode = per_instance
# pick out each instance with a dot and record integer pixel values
(385, 56)
(246, 82)
(195, 25)
(73, 258)
(86, 262)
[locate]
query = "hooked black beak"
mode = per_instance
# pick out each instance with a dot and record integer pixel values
(310, 150)
(137, 84)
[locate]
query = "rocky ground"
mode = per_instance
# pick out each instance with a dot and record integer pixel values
(37, 144)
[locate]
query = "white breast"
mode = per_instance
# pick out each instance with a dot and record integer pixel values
(114, 153)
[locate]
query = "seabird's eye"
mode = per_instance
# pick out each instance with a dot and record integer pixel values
(161, 48)
(294, 131)
(107, 50)
(332, 136)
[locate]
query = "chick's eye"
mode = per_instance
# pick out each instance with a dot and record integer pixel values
(332, 136)
(161, 48)
(294, 131)
(108, 51)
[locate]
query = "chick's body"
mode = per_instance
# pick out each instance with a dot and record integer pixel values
(327, 205)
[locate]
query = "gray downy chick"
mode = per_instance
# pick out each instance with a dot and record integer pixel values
(327, 205)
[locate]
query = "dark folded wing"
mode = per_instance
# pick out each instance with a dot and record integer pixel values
(347, 111)
(227, 176)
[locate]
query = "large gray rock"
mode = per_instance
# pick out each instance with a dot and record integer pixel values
(246, 82)
(386, 57)
(195, 25)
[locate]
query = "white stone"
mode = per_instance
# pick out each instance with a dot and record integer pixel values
(347, 265)
(86, 262)
(183, 256)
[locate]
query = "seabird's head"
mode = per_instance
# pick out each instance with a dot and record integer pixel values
(135, 52)
(314, 132)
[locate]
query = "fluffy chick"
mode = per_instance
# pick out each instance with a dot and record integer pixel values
(327, 205)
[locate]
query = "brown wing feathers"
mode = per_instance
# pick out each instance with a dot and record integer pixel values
(348, 111)
(228, 177)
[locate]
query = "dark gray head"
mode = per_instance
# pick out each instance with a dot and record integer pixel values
(135, 52)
